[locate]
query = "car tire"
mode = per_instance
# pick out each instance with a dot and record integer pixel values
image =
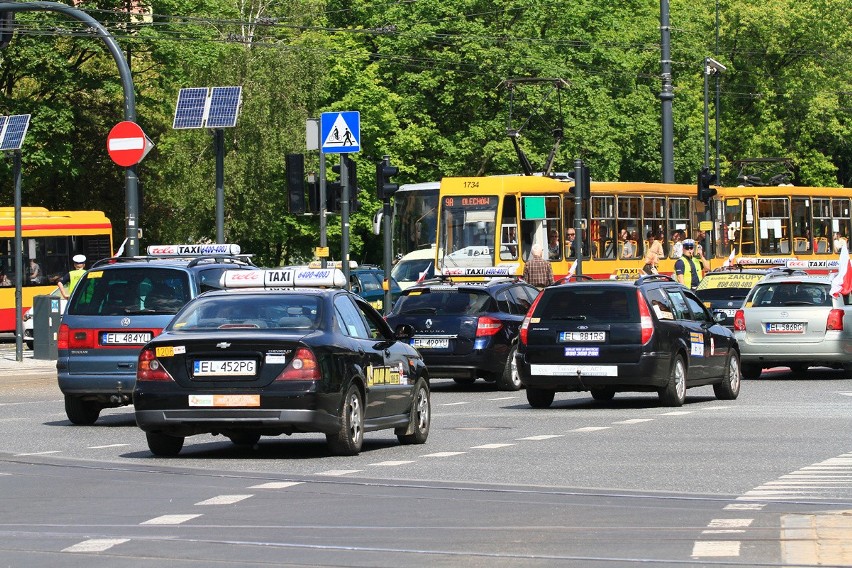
(349, 437)
(245, 439)
(603, 394)
(164, 445)
(81, 412)
(29, 344)
(510, 380)
(799, 368)
(421, 417)
(674, 393)
(540, 398)
(729, 387)
(751, 372)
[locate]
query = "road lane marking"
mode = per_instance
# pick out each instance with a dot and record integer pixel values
(95, 545)
(392, 462)
(336, 472)
(591, 429)
(676, 413)
(107, 446)
(542, 437)
(276, 485)
(730, 523)
(169, 520)
(224, 500)
(491, 446)
(505, 398)
(716, 548)
(39, 453)
(442, 454)
(634, 421)
(453, 403)
(744, 506)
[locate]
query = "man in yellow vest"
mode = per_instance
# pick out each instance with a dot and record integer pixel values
(72, 277)
(689, 270)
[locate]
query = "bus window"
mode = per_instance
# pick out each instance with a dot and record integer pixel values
(629, 225)
(822, 225)
(801, 225)
(774, 225)
(839, 222)
(603, 226)
(654, 215)
(678, 228)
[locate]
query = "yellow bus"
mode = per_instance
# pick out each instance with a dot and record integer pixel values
(50, 238)
(508, 214)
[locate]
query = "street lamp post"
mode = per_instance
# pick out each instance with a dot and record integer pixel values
(711, 67)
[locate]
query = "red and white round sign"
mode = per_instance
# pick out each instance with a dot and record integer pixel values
(127, 144)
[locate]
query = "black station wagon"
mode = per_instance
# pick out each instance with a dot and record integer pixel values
(604, 337)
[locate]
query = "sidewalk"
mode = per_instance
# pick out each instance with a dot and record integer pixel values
(8, 364)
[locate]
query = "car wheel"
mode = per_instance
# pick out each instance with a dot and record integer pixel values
(674, 394)
(465, 381)
(350, 435)
(81, 412)
(163, 444)
(751, 372)
(510, 380)
(540, 398)
(29, 345)
(421, 417)
(604, 394)
(247, 439)
(799, 369)
(729, 387)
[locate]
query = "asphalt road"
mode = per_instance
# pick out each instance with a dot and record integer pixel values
(765, 480)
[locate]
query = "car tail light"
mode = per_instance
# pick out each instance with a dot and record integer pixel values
(835, 320)
(739, 321)
(526, 322)
(303, 367)
(645, 318)
(488, 326)
(76, 338)
(150, 369)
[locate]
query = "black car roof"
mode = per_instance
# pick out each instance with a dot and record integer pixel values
(195, 262)
(487, 285)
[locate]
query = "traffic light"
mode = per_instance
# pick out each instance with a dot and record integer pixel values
(7, 27)
(352, 182)
(384, 172)
(582, 183)
(295, 166)
(313, 196)
(705, 178)
(333, 190)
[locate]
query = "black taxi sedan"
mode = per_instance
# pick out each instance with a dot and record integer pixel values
(280, 352)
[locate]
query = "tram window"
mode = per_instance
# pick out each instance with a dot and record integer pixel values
(678, 225)
(774, 225)
(539, 219)
(629, 218)
(654, 215)
(801, 225)
(840, 222)
(603, 227)
(822, 226)
(509, 229)
(567, 244)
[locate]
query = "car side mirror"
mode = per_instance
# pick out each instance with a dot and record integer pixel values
(404, 332)
(719, 317)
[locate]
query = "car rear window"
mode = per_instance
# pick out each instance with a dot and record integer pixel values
(780, 294)
(250, 311)
(131, 290)
(589, 303)
(444, 302)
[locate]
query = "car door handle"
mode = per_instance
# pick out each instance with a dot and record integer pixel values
(125, 365)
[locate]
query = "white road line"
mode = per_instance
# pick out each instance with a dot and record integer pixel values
(542, 437)
(95, 545)
(276, 485)
(716, 548)
(392, 462)
(107, 446)
(336, 472)
(505, 398)
(716, 408)
(39, 453)
(442, 454)
(676, 413)
(591, 429)
(744, 507)
(634, 421)
(491, 446)
(729, 523)
(453, 403)
(224, 500)
(169, 520)
(722, 531)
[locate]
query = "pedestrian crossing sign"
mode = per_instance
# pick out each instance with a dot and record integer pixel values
(340, 132)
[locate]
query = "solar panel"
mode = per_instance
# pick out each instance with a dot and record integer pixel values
(224, 107)
(190, 108)
(14, 130)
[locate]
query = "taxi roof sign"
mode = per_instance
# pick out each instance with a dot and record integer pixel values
(193, 250)
(284, 278)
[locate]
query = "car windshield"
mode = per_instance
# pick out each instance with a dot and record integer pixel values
(779, 294)
(131, 290)
(715, 294)
(443, 302)
(250, 311)
(410, 270)
(589, 303)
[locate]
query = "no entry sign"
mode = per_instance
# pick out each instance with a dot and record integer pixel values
(127, 144)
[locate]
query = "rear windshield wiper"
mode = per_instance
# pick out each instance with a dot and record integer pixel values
(568, 318)
(147, 311)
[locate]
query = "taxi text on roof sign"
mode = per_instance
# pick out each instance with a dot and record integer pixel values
(284, 278)
(502, 270)
(193, 250)
(806, 264)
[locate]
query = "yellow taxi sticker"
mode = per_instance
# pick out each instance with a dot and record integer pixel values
(377, 304)
(96, 274)
(415, 293)
(732, 280)
(165, 351)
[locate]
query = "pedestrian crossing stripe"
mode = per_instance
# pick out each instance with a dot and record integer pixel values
(341, 132)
